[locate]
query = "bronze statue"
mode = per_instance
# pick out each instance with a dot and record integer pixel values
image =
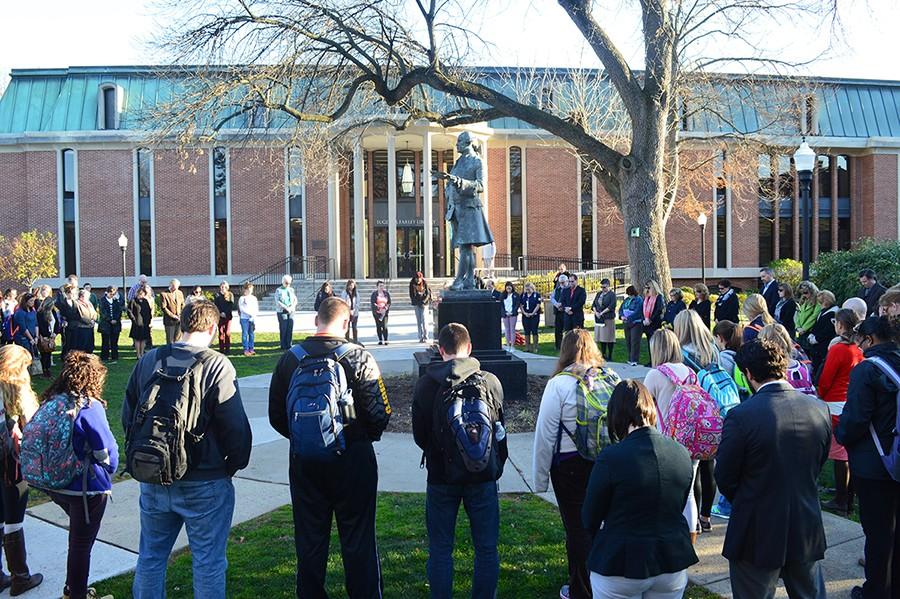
(465, 211)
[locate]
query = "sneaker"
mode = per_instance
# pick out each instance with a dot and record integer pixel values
(564, 592)
(715, 511)
(705, 525)
(381, 343)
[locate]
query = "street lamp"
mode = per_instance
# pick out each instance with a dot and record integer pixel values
(701, 220)
(123, 245)
(804, 161)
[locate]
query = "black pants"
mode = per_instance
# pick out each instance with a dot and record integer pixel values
(81, 538)
(705, 487)
(879, 514)
(381, 328)
(354, 337)
(801, 580)
(648, 332)
(46, 359)
(559, 322)
(570, 479)
(285, 329)
(346, 489)
(109, 340)
(13, 494)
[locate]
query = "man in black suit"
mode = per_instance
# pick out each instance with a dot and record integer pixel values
(769, 289)
(772, 450)
(871, 291)
(573, 300)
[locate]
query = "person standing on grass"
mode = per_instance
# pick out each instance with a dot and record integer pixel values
(9, 306)
(47, 328)
(420, 298)
(196, 294)
(443, 429)
(172, 302)
(807, 312)
(25, 324)
(286, 304)
(248, 310)
(871, 290)
(556, 456)
(604, 308)
(769, 289)
(786, 309)
(509, 308)
(380, 302)
(141, 315)
(224, 301)
(700, 304)
(350, 295)
(632, 314)
(573, 300)
(88, 290)
(110, 327)
(727, 304)
(531, 306)
(674, 307)
(652, 309)
(342, 485)
(202, 500)
(772, 450)
(757, 315)
(561, 283)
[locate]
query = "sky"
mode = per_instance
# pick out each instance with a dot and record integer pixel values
(60, 33)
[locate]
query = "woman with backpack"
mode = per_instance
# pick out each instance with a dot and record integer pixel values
(558, 457)
(757, 314)
(509, 308)
(19, 405)
(799, 370)
(842, 357)
(870, 416)
(79, 388)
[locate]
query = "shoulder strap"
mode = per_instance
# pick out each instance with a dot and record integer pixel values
(669, 374)
(889, 371)
(341, 351)
(299, 352)
(689, 361)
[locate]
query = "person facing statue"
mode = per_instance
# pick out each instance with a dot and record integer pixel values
(465, 212)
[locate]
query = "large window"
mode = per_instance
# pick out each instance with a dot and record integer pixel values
(296, 204)
(515, 205)
(69, 258)
(766, 209)
(586, 215)
(823, 178)
(785, 200)
(145, 211)
(220, 210)
(721, 195)
(843, 201)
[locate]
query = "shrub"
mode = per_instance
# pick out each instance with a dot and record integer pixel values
(837, 271)
(788, 271)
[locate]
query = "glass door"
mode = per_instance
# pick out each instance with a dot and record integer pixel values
(409, 251)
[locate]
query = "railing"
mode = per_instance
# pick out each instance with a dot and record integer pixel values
(522, 266)
(311, 268)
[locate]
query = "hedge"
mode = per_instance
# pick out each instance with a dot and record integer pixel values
(838, 272)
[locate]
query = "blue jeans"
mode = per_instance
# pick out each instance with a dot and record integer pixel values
(205, 509)
(248, 327)
(285, 329)
(483, 507)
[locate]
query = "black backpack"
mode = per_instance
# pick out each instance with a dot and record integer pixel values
(469, 432)
(167, 421)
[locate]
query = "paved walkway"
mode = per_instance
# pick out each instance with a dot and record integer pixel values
(263, 486)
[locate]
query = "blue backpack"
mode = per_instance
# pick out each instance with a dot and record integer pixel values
(890, 458)
(319, 405)
(47, 458)
(716, 381)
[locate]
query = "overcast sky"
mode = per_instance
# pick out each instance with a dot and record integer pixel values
(60, 33)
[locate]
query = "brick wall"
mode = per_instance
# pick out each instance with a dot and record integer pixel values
(611, 240)
(551, 189)
(13, 193)
(317, 216)
(878, 191)
(105, 210)
(40, 177)
(498, 197)
(182, 213)
(257, 209)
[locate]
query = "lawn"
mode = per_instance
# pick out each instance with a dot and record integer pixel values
(261, 559)
(546, 345)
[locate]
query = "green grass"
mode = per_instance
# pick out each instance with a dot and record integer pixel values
(262, 562)
(547, 347)
(826, 481)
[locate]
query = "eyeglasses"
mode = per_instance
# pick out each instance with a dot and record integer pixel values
(781, 290)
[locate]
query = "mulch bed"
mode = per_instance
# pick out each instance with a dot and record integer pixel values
(520, 415)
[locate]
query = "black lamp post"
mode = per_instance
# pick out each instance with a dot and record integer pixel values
(701, 220)
(804, 161)
(123, 245)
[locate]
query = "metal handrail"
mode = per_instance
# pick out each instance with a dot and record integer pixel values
(312, 268)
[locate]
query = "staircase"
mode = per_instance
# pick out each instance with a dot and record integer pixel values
(398, 288)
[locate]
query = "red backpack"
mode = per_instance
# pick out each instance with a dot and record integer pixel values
(693, 418)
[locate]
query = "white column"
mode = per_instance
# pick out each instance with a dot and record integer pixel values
(392, 205)
(428, 243)
(359, 211)
(334, 220)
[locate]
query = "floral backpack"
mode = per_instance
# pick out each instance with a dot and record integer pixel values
(693, 418)
(47, 458)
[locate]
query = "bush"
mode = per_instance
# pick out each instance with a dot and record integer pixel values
(788, 271)
(837, 271)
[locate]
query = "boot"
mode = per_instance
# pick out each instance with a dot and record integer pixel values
(91, 594)
(5, 581)
(22, 580)
(841, 477)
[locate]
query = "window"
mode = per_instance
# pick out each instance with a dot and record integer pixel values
(785, 195)
(295, 201)
(145, 211)
(515, 204)
(586, 216)
(810, 114)
(69, 258)
(257, 116)
(843, 198)
(823, 176)
(220, 210)
(766, 210)
(108, 107)
(721, 195)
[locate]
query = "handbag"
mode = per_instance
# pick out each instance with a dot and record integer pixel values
(46, 345)
(36, 369)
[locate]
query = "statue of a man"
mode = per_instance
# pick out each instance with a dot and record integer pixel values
(465, 211)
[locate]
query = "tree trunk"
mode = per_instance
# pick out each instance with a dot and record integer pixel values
(642, 208)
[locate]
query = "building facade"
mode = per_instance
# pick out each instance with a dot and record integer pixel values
(74, 161)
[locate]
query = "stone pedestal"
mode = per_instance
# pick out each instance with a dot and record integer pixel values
(480, 314)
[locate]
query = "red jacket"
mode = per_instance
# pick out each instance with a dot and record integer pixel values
(835, 377)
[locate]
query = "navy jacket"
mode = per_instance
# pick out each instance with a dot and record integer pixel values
(673, 308)
(516, 301)
(772, 450)
(635, 304)
(728, 308)
(108, 312)
(529, 302)
(574, 299)
(770, 295)
(702, 310)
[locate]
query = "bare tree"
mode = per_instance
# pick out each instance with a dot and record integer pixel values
(333, 66)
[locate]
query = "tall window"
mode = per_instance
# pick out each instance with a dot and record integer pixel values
(785, 199)
(586, 216)
(843, 199)
(220, 210)
(108, 106)
(144, 211)
(515, 204)
(295, 201)
(823, 176)
(69, 259)
(721, 215)
(766, 209)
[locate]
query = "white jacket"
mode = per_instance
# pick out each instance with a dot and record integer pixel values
(558, 399)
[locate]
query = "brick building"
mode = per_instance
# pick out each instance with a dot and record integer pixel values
(74, 160)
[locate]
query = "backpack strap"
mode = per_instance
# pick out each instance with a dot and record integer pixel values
(689, 361)
(299, 352)
(889, 371)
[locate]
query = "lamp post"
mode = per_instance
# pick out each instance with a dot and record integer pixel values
(701, 220)
(123, 245)
(804, 161)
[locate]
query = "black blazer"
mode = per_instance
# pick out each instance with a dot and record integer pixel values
(575, 301)
(772, 450)
(871, 297)
(656, 316)
(771, 296)
(702, 310)
(823, 329)
(637, 490)
(608, 301)
(729, 308)
(786, 317)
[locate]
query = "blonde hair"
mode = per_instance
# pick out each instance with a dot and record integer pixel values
(691, 330)
(654, 286)
(826, 297)
(664, 348)
(15, 382)
(578, 347)
(777, 334)
(701, 289)
(807, 286)
(755, 305)
(529, 287)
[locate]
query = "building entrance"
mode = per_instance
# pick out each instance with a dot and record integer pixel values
(409, 251)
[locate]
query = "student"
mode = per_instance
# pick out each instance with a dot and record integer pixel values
(799, 370)
(604, 308)
(80, 384)
(786, 308)
(196, 294)
(380, 301)
(674, 306)
(767, 465)
(202, 500)
(248, 310)
(757, 315)
(555, 455)
(325, 291)
(531, 306)
(19, 404)
(110, 324)
(225, 303)
(344, 487)
(631, 312)
(350, 295)
(449, 481)
(701, 304)
(286, 304)
(172, 302)
(141, 315)
(420, 298)
(509, 309)
(727, 303)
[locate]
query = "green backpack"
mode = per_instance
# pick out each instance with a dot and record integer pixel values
(592, 393)
(744, 390)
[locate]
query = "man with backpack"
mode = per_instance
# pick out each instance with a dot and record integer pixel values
(457, 418)
(328, 384)
(185, 471)
(772, 449)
